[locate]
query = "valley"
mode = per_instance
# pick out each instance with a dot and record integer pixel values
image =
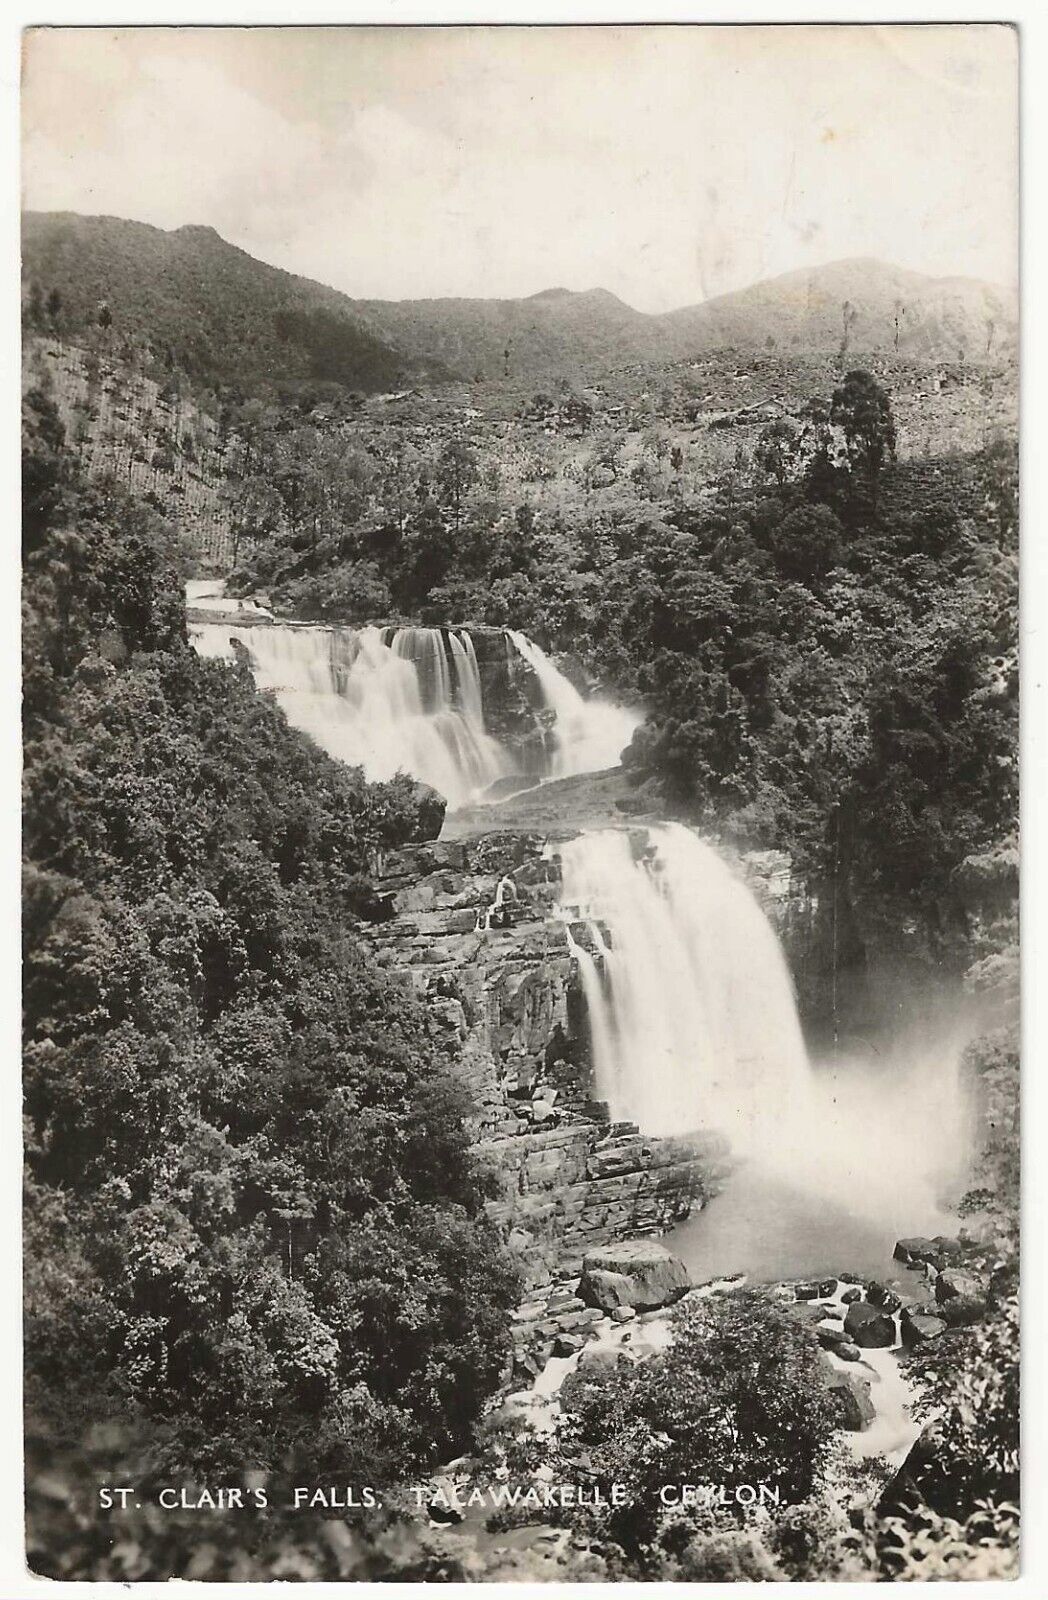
(534, 865)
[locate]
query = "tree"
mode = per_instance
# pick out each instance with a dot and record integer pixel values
(737, 1398)
(33, 308)
(457, 472)
(849, 317)
(777, 450)
(807, 543)
(223, 1091)
(863, 410)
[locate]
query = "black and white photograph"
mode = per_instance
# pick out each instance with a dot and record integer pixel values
(520, 716)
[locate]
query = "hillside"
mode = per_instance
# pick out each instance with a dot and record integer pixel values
(860, 306)
(201, 303)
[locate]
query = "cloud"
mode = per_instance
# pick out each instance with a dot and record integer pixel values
(662, 163)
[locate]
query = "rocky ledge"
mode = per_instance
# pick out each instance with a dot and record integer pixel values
(472, 925)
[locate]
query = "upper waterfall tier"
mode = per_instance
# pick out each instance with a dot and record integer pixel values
(589, 734)
(418, 701)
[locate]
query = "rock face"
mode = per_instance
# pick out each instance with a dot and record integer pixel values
(635, 1273)
(515, 712)
(470, 926)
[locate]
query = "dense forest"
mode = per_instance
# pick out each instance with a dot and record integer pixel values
(252, 1214)
(825, 648)
(256, 1228)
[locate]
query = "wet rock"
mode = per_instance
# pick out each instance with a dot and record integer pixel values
(849, 1296)
(847, 1351)
(851, 1395)
(599, 1357)
(869, 1327)
(952, 1285)
(622, 1314)
(918, 1329)
(922, 1476)
(637, 1273)
(567, 1344)
(806, 1291)
(828, 1287)
(938, 1252)
(961, 1310)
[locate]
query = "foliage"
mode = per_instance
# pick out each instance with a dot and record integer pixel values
(737, 1398)
(252, 1212)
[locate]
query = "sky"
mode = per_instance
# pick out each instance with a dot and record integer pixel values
(666, 164)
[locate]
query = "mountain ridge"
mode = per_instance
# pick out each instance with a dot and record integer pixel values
(219, 310)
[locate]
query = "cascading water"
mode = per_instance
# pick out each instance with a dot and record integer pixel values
(411, 700)
(387, 700)
(694, 1026)
(589, 735)
(690, 1002)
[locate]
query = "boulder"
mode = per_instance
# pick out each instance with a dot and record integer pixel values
(623, 1314)
(918, 1328)
(924, 1475)
(849, 1296)
(599, 1357)
(879, 1294)
(950, 1284)
(919, 1251)
(567, 1344)
(828, 1288)
(806, 1291)
(607, 1291)
(637, 1273)
(851, 1394)
(869, 1327)
(847, 1351)
(962, 1310)
(429, 811)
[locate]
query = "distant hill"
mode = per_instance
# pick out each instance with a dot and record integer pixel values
(221, 313)
(216, 310)
(868, 304)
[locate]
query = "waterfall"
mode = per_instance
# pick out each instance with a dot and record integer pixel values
(694, 1025)
(411, 700)
(386, 700)
(589, 735)
(690, 1001)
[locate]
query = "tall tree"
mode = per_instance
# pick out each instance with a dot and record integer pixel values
(862, 409)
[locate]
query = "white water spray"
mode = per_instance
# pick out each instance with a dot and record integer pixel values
(411, 700)
(694, 1025)
(388, 701)
(589, 735)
